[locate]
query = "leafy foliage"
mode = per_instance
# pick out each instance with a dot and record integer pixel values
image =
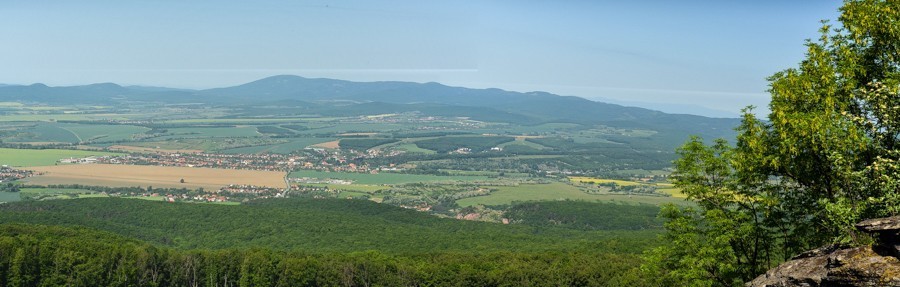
(314, 225)
(35, 255)
(828, 156)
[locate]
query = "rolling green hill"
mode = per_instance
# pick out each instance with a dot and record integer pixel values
(344, 98)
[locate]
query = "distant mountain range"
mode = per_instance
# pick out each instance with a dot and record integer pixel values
(338, 97)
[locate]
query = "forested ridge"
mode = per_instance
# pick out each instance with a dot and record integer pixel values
(316, 225)
(298, 242)
(37, 255)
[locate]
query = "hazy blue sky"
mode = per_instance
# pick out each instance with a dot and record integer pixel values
(715, 54)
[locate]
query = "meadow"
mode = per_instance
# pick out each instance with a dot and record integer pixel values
(413, 148)
(48, 133)
(297, 119)
(594, 180)
(292, 145)
(42, 157)
(61, 117)
(56, 193)
(201, 132)
(103, 133)
(667, 188)
(10, 197)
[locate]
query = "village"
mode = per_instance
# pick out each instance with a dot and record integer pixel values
(312, 159)
(8, 174)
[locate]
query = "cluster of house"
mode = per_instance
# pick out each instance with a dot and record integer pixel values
(233, 192)
(462, 150)
(465, 150)
(9, 174)
(85, 160)
(327, 160)
(257, 191)
(313, 180)
(419, 207)
(268, 162)
(195, 198)
(314, 159)
(373, 153)
(474, 216)
(309, 188)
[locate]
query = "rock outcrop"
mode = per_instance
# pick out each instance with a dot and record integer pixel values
(877, 265)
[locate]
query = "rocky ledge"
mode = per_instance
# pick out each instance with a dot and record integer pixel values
(877, 265)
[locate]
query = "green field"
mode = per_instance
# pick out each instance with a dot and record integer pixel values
(247, 120)
(594, 180)
(346, 194)
(382, 178)
(546, 128)
(554, 191)
(200, 132)
(9, 197)
(641, 172)
(282, 148)
(523, 142)
(205, 144)
(61, 117)
(45, 132)
(359, 127)
(40, 157)
(77, 133)
(182, 144)
(411, 147)
(103, 133)
(55, 191)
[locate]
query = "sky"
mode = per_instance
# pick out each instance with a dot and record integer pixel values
(702, 57)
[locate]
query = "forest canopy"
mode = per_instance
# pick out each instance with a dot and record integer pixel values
(827, 156)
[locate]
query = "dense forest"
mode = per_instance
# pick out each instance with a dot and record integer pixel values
(36, 255)
(303, 242)
(582, 215)
(318, 225)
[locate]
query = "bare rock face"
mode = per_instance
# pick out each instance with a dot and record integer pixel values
(887, 230)
(877, 265)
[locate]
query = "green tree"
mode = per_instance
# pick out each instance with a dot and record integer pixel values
(22, 270)
(258, 269)
(828, 156)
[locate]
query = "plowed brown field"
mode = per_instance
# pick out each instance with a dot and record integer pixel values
(156, 176)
